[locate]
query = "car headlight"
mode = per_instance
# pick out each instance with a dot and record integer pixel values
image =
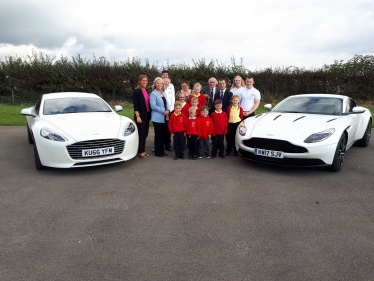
(242, 129)
(128, 129)
(319, 136)
(50, 134)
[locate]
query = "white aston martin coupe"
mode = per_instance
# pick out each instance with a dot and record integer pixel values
(71, 130)
(305, 130)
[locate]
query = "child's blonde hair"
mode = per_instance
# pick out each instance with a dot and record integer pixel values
(195, 99)
(235, 96)
(197, 85)
(192, 109)
(177, 103)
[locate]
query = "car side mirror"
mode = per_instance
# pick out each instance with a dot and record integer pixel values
(358, 109)
(118, 108)
(267, 106)
(28, 112)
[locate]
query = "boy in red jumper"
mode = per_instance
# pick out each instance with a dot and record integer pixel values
(206, 132)
(176, 128)
(194, 103)
(192, 133)
(219, 119)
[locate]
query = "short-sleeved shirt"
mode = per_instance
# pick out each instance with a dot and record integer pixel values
(248, 97)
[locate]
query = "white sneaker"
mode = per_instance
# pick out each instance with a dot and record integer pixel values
(200, 157)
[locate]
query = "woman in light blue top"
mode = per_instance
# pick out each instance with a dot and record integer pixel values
(160, 114)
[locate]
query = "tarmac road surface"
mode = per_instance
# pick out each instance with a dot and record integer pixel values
(161, 219)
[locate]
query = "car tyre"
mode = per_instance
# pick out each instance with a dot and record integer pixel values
(29, 135)
(337, 163)
(38, 164)
(364, 142)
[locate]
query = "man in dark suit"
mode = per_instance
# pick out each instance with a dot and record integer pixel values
(209, 92)
(223, 94)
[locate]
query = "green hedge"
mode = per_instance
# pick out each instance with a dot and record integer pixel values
(25, 79)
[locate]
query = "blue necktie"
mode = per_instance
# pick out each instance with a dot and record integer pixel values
(221, 95)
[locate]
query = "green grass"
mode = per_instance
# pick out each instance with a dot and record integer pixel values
(10, 115)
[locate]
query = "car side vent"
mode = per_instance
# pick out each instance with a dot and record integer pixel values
(277, 117)
(331, 120)
(298, 118)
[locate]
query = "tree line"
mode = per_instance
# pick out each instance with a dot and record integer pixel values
(26, 79)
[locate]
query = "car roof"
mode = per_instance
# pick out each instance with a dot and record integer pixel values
(69, 95)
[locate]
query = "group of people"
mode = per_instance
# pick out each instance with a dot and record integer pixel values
(198, 115)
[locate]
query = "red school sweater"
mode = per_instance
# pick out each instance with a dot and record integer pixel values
(193, 127)
(176, 123)
(202, 100)
(186, 109)
(219, 123)
(206, 126)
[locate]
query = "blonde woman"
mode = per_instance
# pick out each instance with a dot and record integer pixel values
(159, 116)
(238, 85)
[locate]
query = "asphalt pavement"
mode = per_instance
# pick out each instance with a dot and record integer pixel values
(164, 219)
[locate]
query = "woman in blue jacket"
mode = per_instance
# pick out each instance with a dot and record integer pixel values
(159, 116)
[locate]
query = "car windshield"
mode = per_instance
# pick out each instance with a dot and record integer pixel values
(312, 105)
(74, 105)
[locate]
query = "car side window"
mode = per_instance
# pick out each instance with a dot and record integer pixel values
(37, 107)
(350, 105)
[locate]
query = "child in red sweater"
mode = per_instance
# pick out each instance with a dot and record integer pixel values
(177, 128)
(196, 94)
(234, 116)
(219, 119)
(192, 133)
(206, 132)
(194, 103)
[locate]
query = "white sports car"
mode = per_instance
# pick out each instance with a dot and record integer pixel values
(305, 130)
(71, 130)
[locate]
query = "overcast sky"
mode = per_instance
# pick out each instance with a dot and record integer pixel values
(263, 33)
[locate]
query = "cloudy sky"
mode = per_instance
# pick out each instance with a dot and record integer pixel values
(267, 33)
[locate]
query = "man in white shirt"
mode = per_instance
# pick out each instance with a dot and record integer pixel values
(170, 92)
(249, 98)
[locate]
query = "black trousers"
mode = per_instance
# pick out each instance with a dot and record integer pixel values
(218, 144)
(230, 137)
(179, 143)
(143, 129)
(192, 145)
(162, 137)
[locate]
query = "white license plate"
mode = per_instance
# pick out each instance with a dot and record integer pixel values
(97, 151)
(269, 153)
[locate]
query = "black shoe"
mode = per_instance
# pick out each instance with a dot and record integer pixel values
(168, 149)
(159, 155)
(189, 156)
(164, 154)
(213, 156)
(236, 153)
(181, 156)
(228, 153)
(222, 156)
(176, 157)
(194, 157)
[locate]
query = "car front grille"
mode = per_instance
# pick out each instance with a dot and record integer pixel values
(75, 150)
(277, 145)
